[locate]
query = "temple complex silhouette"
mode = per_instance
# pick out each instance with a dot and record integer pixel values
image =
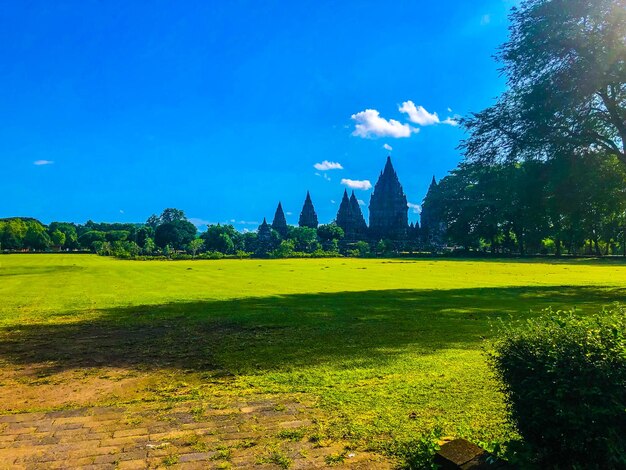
(388, 213)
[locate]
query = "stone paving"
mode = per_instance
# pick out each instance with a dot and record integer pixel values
(262, 434)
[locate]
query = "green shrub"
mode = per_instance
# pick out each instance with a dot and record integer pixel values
(564, 377)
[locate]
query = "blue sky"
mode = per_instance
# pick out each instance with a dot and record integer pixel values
(112, 111)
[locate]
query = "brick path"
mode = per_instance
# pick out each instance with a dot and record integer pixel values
(260, 434)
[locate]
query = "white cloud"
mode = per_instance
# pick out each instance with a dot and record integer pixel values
(418, 114)
(450, 121)
(388, 147)
(325, 176)
(332, 201)
(326, 165)
(199, 222)
(417, 209)
(43, 162)
(357, 184)
(361, 202)
(288, 213)
(449, 110)
(369, 124)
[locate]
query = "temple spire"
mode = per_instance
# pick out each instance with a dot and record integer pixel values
(308, 217)
(388, 207)
(280, 222)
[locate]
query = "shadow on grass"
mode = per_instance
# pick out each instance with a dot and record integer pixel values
(346, 329)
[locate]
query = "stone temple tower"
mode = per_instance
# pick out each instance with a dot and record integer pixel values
(388, 207)
(350, 218)
(308, 217)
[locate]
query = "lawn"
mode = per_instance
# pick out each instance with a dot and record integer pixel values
(384, 350)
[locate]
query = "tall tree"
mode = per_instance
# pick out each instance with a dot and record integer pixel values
(565, 63)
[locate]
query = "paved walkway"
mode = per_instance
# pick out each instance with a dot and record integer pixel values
(262, 434)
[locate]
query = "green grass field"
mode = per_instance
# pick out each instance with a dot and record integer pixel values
(387, 350)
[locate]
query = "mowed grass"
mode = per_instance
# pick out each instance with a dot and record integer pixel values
(388, 350)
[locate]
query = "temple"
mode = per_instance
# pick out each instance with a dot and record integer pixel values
(432, 230)
(350, 218)
(388, 207)
(308, 217)
(388, 217)
(280, 222)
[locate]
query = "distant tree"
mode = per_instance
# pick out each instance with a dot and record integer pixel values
(58, 238)
(250, 241)
(304, 238)
(363, 248)
(153, 221)
(222, 238)
(117, 235)
(87, 239)
(36, 237)
(195, 246)
(70, 232)
(330, 235)
(177, 233)
(330, 232)
(171, 215)
(284, 250)
(142, 234)
(148, 246)
(12, 232)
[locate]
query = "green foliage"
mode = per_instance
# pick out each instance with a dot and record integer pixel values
(416, 454)
(88, 239)
(564, 376)
(223, 238)
(286, 249)
(36, 237)
(329, 232)
(564, 63)
(148, 246)
(178, 234)
(195, 245)
(304, 239)
(531, 207)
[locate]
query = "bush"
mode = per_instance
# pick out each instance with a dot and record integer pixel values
(564, 377)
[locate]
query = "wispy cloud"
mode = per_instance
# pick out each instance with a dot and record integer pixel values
(418, 114)
(369, 124)
(361, 202)
(326, 165)
(323, 175)
(199, 222)
(416, 208)
(357, 184)
(485, 20)
(388, 147)
(43, 162)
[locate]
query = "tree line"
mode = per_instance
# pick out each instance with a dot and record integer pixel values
(544, 167)
(171, 235)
